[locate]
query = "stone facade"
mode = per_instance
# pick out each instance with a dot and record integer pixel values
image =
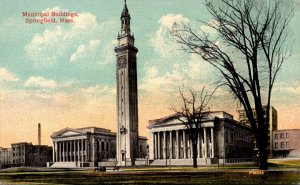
(5, 157)
(127, 96)
(286, 143)
(86, 147)
(26, 154)
(220, 138)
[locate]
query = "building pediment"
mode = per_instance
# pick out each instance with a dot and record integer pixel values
(69, 133)
(174, 119)
(66, 132)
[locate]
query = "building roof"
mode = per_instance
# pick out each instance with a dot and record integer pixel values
(82, 131)
(85, 130)
(290, 129)
(22, 143)
(211, 115)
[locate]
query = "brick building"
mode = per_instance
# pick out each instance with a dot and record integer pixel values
(286, 143)
(5, 157)
(26, 154)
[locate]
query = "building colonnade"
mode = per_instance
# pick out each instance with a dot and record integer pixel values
(80, 150)
(175, 144)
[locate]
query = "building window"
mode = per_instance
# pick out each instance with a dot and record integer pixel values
(276, 136)
(281, 136)
(287, 144)
(286, 135)
(276, 145)
(282, 144)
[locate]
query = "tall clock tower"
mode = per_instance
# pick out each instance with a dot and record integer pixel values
(127, 101)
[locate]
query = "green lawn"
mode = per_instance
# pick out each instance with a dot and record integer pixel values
(225, 177)
(286, 162)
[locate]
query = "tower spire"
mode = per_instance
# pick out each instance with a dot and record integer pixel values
(125, 20)
(125, 10)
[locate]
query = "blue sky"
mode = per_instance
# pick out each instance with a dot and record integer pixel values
(63, 75)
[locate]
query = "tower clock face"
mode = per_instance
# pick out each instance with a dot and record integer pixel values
(122, 62)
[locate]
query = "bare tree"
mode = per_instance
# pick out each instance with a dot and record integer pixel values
(250, 46)
(192, 113)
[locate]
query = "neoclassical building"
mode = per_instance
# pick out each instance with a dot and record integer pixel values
(221, 138)
(87, 147)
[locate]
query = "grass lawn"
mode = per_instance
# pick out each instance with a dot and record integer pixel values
(156, 176)
(285, 162)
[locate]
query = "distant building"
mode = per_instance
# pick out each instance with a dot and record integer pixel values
(286, 143)
(221, 138)
(5, 157)
(26, 154)
(87, 147)
(272, 125)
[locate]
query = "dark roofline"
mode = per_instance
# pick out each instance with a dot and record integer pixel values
(290, 129)
(236, 123)
(20, 143)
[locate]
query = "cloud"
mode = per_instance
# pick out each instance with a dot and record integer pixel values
(82, 42)
(23, 109)
(208, 27)
(46, 49)
(290, 88)
(162, 40)
(40, 82)
(84, 52)
(6, 76)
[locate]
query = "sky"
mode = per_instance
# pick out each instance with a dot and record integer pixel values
(63, 74)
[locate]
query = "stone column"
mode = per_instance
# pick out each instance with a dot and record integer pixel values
(74, 150)
(212, 142)
(104, 147)
(53, 151)
(56, 152)
(68, 153)
(63, 151)
(158, 148)
(154, 145)
(78, 150)
(60, 151)
(184, 144)
(165, 145)
(178, 145)
(100, 150)
(171, 145)
(198, 145)
(67, 150)
(205, 143)
(71, 149)
(81, 150)
(86, 150)
(108, 149)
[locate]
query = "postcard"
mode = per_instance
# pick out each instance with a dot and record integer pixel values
(149, 92)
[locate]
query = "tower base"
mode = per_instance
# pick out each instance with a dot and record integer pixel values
(127, 162)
